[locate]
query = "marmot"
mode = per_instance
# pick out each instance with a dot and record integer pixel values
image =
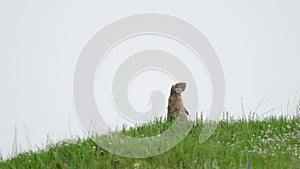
(175, 103)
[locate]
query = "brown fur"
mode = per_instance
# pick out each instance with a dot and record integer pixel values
(175, 103)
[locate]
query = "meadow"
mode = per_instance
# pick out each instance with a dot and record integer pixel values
(270, 143)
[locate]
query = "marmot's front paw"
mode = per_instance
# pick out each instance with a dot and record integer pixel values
(186, 112)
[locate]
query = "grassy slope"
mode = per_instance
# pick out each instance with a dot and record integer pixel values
(271, 143)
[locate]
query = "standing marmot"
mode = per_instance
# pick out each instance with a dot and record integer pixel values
(175, 103)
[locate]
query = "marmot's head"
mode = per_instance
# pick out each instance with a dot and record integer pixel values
(178, 88)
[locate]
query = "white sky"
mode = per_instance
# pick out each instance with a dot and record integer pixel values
(257, 43)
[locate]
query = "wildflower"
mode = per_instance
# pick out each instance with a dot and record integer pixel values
(249, 164)
(137, 165)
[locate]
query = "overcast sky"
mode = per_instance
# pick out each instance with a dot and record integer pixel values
(257, 43)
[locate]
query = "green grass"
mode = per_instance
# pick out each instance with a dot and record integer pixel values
(270, 143)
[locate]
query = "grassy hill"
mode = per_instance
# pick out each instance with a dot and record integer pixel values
(270, 143)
